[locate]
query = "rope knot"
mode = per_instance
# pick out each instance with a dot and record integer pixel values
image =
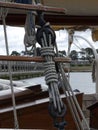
(50, 72)
(29, 40)
(47, 51)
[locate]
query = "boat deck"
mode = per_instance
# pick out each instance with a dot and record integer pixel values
(30, 108)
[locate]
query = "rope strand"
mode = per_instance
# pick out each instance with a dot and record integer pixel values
(10, 75)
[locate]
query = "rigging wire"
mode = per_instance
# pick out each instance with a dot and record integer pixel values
(95, 62)
(46, 38)
(74, 101)
(70, 97)
(9, 70)
(53, 88)
(94, 50)
(77, 42)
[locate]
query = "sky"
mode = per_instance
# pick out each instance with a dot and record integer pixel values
(16, 35)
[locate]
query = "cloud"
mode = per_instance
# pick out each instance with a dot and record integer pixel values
(62, 39)
(16, 35)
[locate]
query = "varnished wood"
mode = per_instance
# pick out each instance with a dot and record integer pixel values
(35, 59)
(94, 115)
(32, 7)
(33, 112)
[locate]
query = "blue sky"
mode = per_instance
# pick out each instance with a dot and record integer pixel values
(16, 36)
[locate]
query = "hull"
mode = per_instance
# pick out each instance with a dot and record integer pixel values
(32, 111)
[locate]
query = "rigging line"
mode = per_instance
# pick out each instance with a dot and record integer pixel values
(69, 103)
(83, 50)
(76, 117)
(10, 75)
(74, 99)
(71, 100)
(77, 41)
(70, 40)
(77, 46)
(46, 38)
(94, 50)
(73, 96)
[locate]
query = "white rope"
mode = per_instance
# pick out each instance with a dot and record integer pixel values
(72, 101)
(82, 49)
(10, 74)
(70, 41)
(94, 50)
(46, 38)
(29, 37)
(71, 98)
(72, 106)
(96, 60)
(3, 12)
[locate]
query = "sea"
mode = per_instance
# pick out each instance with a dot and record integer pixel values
(81, 81)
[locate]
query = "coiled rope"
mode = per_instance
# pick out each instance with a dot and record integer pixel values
(30, 37)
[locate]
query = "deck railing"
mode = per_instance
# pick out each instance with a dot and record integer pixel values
(25, 65)
(19, 68)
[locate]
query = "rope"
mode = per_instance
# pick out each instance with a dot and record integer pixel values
(3, 12)
(72, 101)
(68, 95)
(46, 38)
(90, 60)
(43, 37)
(70, 40)
(94, 71)
(10, 74)
(29, 37)
(68, 98)
(75, 106)
(94, 50)
(50, 73)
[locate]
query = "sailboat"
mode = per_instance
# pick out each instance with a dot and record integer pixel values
(33, 108)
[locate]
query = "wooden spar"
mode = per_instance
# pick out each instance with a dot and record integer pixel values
(33, 59)
(32, 7)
